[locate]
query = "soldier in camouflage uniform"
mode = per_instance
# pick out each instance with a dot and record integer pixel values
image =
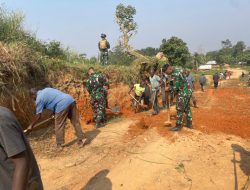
(172, 93)
(97, 86)
(103, 46)
(184, 93)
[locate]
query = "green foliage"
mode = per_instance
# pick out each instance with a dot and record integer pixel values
(230, 54)
(125, 19)
(225, 56)
(118, 56)
(199, 59)
(226, 44)
(176, 51)
(149, 51)
(11, 29)
(54, 49)
(238, 49)
(245, 57)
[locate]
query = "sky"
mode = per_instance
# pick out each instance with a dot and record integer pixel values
(202, 24)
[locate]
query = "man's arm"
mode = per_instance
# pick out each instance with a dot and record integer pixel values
(20, 177)
(132, 88)
(99, 46)
(193, 82)
(108, 45)
(34, 122)
(104, 80)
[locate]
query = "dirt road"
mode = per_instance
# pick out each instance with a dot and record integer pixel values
(136, 152)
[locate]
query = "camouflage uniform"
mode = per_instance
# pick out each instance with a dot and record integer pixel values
(172, 93)
(95, 86)
(104, 53)
(184, 93)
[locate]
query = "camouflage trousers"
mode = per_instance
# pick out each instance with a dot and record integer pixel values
(104, 57)
(172, 94)
(99, 109)
(183, 107)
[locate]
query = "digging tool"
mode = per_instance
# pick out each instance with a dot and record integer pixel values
(114, 109)
(137, 103)
(135, 99)
(168, 123)
(26, 131)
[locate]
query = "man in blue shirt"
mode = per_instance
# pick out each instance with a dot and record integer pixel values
(63, 106)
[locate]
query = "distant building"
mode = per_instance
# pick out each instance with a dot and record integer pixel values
(205, 67)
(211, 63)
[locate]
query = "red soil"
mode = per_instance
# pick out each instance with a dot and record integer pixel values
(225, 110)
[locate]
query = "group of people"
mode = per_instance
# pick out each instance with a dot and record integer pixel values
(18, 167)
(171, 83)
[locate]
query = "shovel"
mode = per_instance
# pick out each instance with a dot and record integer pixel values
(137, 103)
(39, 124)
(168, 123)
(114, 110)
(134, 99)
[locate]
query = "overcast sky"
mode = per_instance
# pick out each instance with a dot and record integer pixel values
(202, 24)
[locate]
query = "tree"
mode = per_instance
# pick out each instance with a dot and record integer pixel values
(229, 54)
(199, 59)
(244, 57)
(212, 55)
(226, 44)
(55, 50)
(238, 48)
(128, 27)
(225, 56)
(176, 51)
(118, 56)
(149, 51)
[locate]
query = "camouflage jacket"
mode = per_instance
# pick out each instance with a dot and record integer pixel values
(95, 85)
(180, 84)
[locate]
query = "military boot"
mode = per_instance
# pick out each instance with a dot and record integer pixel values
(99, 125)
(189, 125)
(176, 128)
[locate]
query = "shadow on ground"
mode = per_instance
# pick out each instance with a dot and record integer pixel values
(244, 164)
(99, 182)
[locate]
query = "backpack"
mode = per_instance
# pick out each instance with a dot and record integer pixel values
(103, 44)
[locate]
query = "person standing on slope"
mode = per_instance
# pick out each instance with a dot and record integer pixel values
(104, 46)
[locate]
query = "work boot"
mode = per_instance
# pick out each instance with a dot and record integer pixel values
(175, 129)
